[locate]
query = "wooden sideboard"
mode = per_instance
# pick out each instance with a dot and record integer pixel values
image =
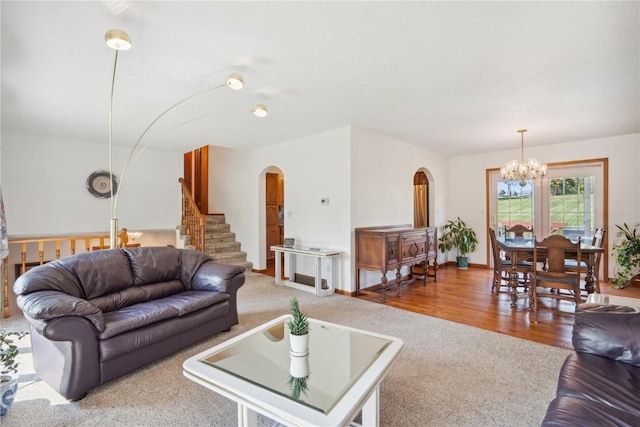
(390, 247)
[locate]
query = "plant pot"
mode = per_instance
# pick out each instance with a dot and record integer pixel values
(8, 391)
(462, 262)
(299, 366)
(299, 345)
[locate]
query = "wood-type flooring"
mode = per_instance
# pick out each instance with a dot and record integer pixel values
(464, 296)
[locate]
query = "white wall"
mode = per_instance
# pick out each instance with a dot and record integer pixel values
(367, 177)
(44, 187)
(382, 171)
(314, 167)
(467, 184)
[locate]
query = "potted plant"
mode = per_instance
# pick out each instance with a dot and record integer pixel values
(627, 253)
(8, 369)
(299, 327)
(456, 234)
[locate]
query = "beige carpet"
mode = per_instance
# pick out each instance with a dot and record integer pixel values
(447, 374)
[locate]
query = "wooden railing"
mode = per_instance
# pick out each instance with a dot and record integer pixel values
(56, 247)
(192, 219)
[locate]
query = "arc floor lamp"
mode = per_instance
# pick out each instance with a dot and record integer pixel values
(120, 40)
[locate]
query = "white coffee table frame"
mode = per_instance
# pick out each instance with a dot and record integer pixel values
(252, 399)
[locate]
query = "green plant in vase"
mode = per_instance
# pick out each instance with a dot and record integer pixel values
(627, 254)
(298, 325)
(8, 368)
(456, 234)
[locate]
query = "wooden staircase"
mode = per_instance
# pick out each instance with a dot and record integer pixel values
(219, 242)
(208, 233)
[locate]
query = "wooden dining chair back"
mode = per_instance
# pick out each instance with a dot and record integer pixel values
(555, 280)
(598, 241)
(502, 268)
(520, 230)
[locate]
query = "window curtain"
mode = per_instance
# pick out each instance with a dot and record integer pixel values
(420, 205)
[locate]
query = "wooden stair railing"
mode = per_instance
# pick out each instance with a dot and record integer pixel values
(69, 243)
(192, 218)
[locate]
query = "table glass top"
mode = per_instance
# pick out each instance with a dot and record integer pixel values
(337, 358)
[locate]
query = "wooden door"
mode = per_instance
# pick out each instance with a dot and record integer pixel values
(196, 176)
(271, 209)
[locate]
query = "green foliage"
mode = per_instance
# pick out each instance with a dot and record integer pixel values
(456, 234)
(298, 386)
(298, 324)
(9, 351)
(627, 253)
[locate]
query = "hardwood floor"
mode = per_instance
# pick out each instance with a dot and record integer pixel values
(464, 296)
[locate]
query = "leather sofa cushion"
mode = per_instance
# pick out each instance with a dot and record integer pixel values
(608, 330)
(133, 340)
(146, 313)
(137, 294)
(152, 265)
(99, 272)
(599, 379)
(567, 411)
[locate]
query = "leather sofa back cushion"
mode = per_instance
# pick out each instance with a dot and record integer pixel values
(99, 272)
(608, 330)
(85, 275)
(153, 265)
(136, 294)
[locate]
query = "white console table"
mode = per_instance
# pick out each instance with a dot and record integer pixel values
(318, 254)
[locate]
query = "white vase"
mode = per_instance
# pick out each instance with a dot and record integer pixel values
(299, 366)
(8, 391)
(299, 345)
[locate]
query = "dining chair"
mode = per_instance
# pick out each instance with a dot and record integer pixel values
(520, 230)
(597, 241)
(502, 267)
(555, 281)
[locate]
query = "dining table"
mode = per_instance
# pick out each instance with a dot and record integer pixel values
(521, 249)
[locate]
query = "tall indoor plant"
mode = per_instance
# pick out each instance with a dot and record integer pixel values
(8, 369)
(456, 234)
(627, 253)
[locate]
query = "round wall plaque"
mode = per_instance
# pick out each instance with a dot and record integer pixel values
(99, 184)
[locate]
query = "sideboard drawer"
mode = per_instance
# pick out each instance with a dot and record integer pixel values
(413, 251)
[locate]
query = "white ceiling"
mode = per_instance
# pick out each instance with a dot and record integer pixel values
(456, 77)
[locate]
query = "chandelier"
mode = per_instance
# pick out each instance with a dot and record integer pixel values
(519, 171)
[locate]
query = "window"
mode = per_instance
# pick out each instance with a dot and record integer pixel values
(568, 201)
(571, 206)
(515, 204)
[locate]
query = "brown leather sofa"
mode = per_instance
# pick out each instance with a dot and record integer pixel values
(98, 315)
(599, 384)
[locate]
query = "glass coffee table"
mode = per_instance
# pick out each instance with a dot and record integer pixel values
(339, 377)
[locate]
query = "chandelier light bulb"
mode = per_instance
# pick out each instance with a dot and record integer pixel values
(260, 110)
(117, 39)
(235, 81)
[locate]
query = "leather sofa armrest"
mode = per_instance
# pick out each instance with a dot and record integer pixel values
(48, 305)
(212, 276)
(611, 331)
(66, 354)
